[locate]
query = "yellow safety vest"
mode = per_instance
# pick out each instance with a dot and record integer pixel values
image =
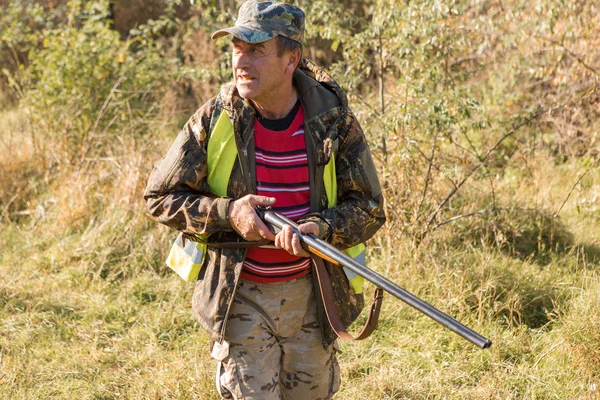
(222, 153)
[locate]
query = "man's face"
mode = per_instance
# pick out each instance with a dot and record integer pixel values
(258, 71)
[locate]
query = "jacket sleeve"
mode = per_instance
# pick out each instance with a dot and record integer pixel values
(177, 193)
(359, 212)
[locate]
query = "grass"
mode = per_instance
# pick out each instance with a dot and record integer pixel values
(66, 332)
(88, 311)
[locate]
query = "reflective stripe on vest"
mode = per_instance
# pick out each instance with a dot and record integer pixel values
(357, 252)
(222, 153)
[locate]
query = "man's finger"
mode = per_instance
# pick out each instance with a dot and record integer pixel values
(297, 246)
(287, 238)
(264, 231)
(261, 201)
(309, 227)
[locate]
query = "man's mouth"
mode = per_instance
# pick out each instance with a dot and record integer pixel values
(245, 78)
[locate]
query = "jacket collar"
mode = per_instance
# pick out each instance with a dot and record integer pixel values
(325, 107)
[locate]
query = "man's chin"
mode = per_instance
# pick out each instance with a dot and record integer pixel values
(245, 92)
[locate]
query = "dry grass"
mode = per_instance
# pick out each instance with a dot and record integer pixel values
(88, 310)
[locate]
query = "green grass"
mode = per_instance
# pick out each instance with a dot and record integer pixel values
(68, 331)
(88, 311)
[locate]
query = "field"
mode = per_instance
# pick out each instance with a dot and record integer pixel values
(484, 123)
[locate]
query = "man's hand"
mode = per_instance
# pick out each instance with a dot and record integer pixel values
(245, 222)
(290, 242)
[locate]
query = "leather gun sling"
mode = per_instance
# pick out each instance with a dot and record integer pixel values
(238, 245)
(331, 310)
(326, 290)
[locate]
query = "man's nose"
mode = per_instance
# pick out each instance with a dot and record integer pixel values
(240, 60)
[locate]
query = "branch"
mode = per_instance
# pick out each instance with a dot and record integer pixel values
(574, 186)
(407, 143)
(428, 227)
(457, 217)
(575, 56)
(428, 177)
(555, 345)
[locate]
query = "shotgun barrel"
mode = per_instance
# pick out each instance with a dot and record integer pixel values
(322, 249)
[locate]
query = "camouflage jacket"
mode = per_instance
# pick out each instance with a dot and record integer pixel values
(177, 193)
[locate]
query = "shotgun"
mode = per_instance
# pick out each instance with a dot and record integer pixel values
(324, 250)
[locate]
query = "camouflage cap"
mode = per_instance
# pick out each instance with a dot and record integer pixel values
(260, 21)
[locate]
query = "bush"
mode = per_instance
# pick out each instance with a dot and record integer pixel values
(86, 87)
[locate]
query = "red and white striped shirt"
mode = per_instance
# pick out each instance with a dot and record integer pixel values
(282, 173)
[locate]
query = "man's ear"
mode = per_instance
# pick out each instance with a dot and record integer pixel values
(293, 61)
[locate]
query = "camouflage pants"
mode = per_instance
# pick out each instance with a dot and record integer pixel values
(273, 348)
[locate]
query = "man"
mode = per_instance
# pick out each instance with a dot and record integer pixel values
(288, 120)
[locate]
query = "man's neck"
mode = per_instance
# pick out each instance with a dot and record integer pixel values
(278, 107)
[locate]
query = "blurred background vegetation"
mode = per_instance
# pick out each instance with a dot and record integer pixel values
(483, 117)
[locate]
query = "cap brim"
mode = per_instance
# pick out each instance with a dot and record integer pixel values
(244, 33)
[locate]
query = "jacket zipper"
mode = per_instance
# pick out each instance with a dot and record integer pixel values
(315, 184)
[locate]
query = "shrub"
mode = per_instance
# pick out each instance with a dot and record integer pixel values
(86, 87)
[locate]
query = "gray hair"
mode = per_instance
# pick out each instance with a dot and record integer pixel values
(286, 44)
